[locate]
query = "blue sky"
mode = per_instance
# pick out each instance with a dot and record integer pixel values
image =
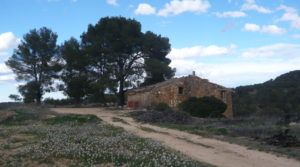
(229, 42)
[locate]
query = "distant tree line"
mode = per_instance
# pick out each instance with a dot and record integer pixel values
(110, 57)
(281, 95)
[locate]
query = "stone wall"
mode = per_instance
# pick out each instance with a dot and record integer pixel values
(178, 90)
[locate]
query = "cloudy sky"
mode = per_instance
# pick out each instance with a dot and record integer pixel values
(229, 42)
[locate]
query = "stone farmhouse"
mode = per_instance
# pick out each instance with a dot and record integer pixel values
(177, 90)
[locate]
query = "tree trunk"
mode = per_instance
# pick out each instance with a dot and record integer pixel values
(38, 97)
(121, 93)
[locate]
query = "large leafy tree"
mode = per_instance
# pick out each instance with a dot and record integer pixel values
(156, 63)
(75, 70)
(121, 54)
(116, 45)
(35, 62)
(100, 69)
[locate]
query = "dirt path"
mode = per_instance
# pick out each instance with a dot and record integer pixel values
(207, 150)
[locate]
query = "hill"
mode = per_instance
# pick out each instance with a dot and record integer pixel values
(281, 95)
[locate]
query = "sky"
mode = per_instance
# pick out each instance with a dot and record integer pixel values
(228, 42)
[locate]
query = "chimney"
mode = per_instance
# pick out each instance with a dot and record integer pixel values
(194, 73)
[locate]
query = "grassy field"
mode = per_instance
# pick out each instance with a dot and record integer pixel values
(252, 131)
(35, 136)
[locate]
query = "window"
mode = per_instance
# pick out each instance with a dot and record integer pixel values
(180, 90)
(223, 95)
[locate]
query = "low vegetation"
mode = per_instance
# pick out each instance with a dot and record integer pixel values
(204, 107)
(278, 95)
(171, 117)
(258, 131)
(77, 140)
(116, 119)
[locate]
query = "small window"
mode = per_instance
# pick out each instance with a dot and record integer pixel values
(223, 95)
(180, 90)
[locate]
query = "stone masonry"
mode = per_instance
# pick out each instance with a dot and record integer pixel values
(177, 90)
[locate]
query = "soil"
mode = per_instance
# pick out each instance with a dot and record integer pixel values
(202, 149)
(5, 114)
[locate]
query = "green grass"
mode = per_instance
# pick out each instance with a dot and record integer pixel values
(19, 118)
(116, 119)
(23, 115)
(220, 134)
(74, 119)
(81, 140)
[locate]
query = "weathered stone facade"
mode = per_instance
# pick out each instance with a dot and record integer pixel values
(177, 90)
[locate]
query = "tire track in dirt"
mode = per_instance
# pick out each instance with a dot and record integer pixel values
(202, 149)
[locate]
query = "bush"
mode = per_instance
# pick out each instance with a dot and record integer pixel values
(203, 107)
(51, 101)
(161, 107)
(283, 139)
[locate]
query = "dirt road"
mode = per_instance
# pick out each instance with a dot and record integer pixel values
(207, 150)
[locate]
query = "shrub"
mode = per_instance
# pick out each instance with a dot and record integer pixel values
(283, 139)
(51, 101)
(203, 107)
(161, 107)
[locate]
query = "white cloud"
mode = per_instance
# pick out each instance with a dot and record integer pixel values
(176, 7)
(273, 29)
(8, 77)
(3, 53)
(290, 15)
(251, 5)
(4, 68)
(250, 1)
(281, 50)
(200, 51)
(233, 14)
(267, 62)
(59, 0)
(145, 9)
(112, 2)
(251, 27)
(7, 41)
(296, 36)
(236, 73)
(287, 9)
(5, 73)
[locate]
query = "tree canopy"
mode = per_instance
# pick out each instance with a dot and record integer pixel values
(74, 74)
(35, 62)
(112, 56)
(156, 63)
(120, 51)
(279, 95)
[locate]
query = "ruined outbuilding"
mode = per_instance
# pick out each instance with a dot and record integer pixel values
(177, 90)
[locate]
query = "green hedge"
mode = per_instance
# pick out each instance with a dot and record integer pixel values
(203, 107)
